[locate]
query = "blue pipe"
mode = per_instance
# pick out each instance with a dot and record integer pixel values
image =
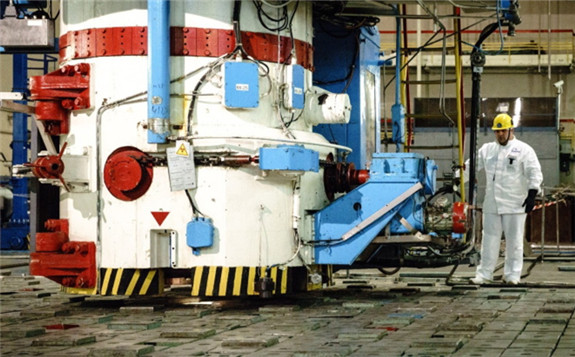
(158, 71)
(397, 57)
(397, 110)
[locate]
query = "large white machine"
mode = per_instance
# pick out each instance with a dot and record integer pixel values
(233, 143)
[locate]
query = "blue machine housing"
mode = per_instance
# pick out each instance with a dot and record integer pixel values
(289, 158)
(354, 70)
(395, 191)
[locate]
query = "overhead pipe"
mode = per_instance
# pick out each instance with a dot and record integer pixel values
(158, 71)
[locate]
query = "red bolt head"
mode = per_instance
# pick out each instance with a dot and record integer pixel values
(82, 68)
(68, 104)
(79, 103)
(69, 282)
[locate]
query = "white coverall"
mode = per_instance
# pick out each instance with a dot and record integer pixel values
(511, 171)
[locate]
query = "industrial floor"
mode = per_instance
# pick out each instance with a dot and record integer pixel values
(411, 313)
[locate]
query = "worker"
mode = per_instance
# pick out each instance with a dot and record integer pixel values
(513, 179)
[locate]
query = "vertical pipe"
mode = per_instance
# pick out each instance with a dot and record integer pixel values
(397, 110)
(549, 40)
(557, 226)
(406, 97)
(477, 63)
(158, 70)
(418, 59)
(473, 127)
(543, 224)
(459, 95)
(398, 58)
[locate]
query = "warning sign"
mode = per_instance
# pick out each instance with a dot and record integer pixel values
(181, 167)
(182, 151)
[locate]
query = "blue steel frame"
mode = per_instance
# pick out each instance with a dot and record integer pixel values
(14, 235)
(347, 70)
(391, 176)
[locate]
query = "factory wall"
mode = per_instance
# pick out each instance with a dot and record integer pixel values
(496, 83)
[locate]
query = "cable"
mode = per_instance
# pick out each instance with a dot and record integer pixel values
(286, 3)
(195, 209)
(282, 22)
(500, 29)
(428, 43)
(385, 272)
(299, 244)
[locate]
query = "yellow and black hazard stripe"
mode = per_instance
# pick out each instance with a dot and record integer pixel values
(131, 281)
(241, 281)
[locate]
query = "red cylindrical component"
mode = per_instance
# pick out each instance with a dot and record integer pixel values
(128, 173)
(459, 217)
(359, 177)
(342, 177)
(49, 167)
(238, 160)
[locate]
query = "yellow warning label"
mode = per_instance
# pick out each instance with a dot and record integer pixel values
(182, 150)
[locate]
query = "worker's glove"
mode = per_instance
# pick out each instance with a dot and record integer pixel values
(529, 202)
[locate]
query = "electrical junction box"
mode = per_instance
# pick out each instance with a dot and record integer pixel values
(294, 93)
(20, 35)
(199, 234)
(241, 85)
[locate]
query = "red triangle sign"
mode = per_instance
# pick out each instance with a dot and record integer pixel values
(160, 216)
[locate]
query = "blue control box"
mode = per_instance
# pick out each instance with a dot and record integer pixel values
(295, 77)
(199, 234)
(241, 85)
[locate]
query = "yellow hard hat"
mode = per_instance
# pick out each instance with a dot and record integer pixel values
(502, 121)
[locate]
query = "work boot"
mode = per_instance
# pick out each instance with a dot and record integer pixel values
(479, 281)
(510, 282)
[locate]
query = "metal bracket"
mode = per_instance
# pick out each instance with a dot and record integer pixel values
(173, 249)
